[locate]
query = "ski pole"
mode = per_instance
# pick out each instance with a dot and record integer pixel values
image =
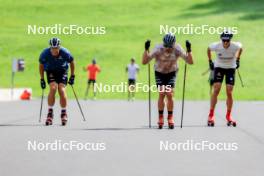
(78, 103)
(241, 81)
(41, 104)
(205, 72)
(149, 96)
(183, 93)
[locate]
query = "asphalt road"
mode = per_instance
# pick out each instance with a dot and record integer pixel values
(119, 142)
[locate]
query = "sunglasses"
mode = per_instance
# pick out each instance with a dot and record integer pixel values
(226, 41)
(168, 46)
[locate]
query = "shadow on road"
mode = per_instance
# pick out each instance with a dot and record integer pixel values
(119, 129)
(20, 125)
(152, 128)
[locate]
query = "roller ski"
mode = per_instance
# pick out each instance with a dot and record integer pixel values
(64, 118)
(211, 121)
(160, 122)
(231, 122)
(49, 118)
(170, 122)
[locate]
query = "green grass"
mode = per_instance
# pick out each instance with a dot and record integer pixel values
(128, 25)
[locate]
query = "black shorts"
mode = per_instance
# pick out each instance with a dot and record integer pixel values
(167, 79)
(57, 76)
(91, 81)
(229, 74)
(131, 82)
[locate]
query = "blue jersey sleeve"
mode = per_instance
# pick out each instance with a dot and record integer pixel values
(43, 57)
(67, 55)
(70, 58)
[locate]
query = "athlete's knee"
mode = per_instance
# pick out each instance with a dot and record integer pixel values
(53, 87)
(62, 94)
(217, 89)
(170, 95)
(162, 94)
(61, 89)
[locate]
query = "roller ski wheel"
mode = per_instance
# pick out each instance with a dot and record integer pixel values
(170, 123)
(210, 123)
(49, 119)
(171, 126)
(231, 123)
(160, 122)
(64, 119)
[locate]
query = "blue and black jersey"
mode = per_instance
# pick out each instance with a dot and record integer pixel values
(51, 63)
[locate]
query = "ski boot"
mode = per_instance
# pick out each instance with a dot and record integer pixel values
(211, 121)
(64, 118)
(49, 118)
(170, 122)
(161, 122)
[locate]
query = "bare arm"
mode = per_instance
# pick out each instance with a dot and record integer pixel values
(146, 57)
(72, 66)
(41, 71)
(239, 52)
(209, 54)
(189, 59)
(98, 69)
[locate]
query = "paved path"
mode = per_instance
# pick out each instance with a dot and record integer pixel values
(131, 149)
